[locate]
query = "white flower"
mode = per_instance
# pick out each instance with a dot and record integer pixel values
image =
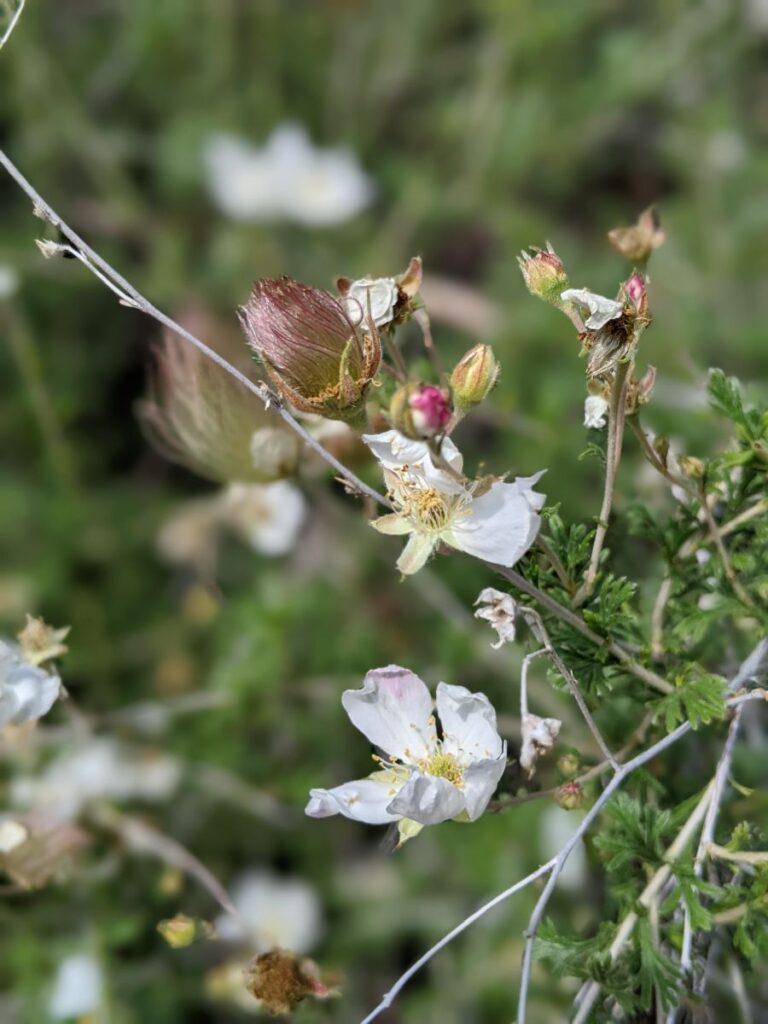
(595, 411)
(12, 834)
(496, 522)
(77, 989)
(100, 770)
(274, 913)
(601, 309)
(422, 778)
(26, 691)
(539, 735)
(9, 281)
(381, 292)
(500, 610)
(267, 516)
(286, 179)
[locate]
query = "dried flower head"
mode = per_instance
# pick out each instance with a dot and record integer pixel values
(539, 735)
(278, 979)
(198, 415)
(317, 359)
(637, 241)
(500, 610)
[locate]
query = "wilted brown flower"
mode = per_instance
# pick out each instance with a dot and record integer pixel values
(279, 980)
(314, 355)
(198, 415)
(637, 241)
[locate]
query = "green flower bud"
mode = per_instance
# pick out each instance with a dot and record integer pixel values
(569, 796)
(474, 377)
(543, 273)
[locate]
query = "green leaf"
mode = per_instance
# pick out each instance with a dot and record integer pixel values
(657, 972)
(698, 700)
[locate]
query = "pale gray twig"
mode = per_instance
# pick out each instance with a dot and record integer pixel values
(12, 23)
(129, 296)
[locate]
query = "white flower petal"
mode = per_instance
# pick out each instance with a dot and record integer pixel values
(415, 554)
(267, 516)
(77, 989)
(382, 295)
(393, 709)
(469, 723)
(394, 524)
(394, 451)
(363, 800)
(27, 692)
(595, 410)
(480, 782)
(501, 525)
(428, 800)
(600, 308)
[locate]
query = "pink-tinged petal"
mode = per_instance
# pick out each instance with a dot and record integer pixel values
(480, 782)
(428, 800)
(415, 554)
(469, 724)
(500, 528)
(393, 709)
(363, 800)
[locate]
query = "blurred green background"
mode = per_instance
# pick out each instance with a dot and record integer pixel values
(483, 128)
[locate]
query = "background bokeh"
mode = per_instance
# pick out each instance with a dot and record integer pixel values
(483, 127)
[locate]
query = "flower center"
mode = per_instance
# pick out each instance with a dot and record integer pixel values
(443, 766)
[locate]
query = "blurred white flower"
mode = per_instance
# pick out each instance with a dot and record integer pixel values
(100, 770)
(381, 293)
(496, 522)
(500, 610)
(12, 834)
(422, 778)
(266, 516)
(556, 828)
(9, 281)
(78, 988)
(286, 179)
(27, 692)
(601, 310)
(275, 913)
(595, 411)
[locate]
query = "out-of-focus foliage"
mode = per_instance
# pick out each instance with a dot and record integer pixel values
(485, 127)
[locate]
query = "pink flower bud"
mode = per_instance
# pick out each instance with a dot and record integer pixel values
(637, 294)
(315, 356)
(430, 410)
(420, 410)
